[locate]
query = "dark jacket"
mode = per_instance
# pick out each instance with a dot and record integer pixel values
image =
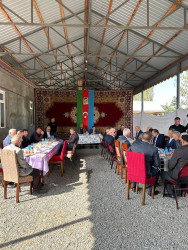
(123, 139)
(178, 144)
(119, 133)
(35, 137)
(171, 144)
(180, 128)
(178, 160)
(151, 154)
(160, 143)
(91, 131)
(73, 138)
(138, 134)
(25, 142)
(110, 140)
(46, 135)
(81, 131)
(53, 126)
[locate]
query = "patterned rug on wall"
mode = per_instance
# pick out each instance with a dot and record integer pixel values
(111, 109)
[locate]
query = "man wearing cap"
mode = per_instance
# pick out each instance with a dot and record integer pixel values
(178, 160)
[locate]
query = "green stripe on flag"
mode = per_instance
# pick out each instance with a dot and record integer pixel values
(79, 108)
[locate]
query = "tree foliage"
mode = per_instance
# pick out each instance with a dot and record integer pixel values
(184, 90)
(169, 108)
(148, 95)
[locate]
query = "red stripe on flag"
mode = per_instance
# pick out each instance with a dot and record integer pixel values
(85, 108)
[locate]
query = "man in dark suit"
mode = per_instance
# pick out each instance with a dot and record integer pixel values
(152, 159)
(93, 130)
(178, 160)
(47, 133)
(138, 132)
(37, 136)
(177, 126)
(109, 138)
(158, 140)
(25, 139)
(120, 132)
(53, 126)
(171, 143)
(177, 137)
(124, 139)
(72, 140)
(81, 130)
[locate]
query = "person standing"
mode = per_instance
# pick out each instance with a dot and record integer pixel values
(120, 132)
(53, 126)
(177, 126)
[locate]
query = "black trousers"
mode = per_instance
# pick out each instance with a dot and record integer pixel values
(36, 179)
(70, 146)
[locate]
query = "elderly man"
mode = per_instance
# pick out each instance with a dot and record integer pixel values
(47, 133)
(7, 140)
(124, 139)
(109, 138)
(72, 140)
(23, 167)
(152, 159)
(171, 143)
(177, 137)
(25, 139)
(37, 136)
(178, 160)
(158, 140)
(177, 126)
(81, 130)
(138, 132)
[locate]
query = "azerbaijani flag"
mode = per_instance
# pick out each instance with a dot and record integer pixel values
(85, 108)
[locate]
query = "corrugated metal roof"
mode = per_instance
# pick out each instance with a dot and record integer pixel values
(175, 41)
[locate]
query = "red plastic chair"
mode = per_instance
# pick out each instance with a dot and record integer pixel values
(113, 156)
(136, 172)
(3, 144)
(59, 159)
(183, 173)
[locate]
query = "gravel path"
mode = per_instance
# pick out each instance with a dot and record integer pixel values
(87, 209)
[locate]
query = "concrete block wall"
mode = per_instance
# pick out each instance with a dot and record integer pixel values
(17, 98)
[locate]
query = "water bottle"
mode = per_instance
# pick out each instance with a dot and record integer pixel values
(42, 140)
(46, 140)
(166, 150)
(170, 150)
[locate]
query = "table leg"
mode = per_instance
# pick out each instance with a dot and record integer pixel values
(42, 177)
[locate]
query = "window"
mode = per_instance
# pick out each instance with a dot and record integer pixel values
(2, 109)
(31, 112)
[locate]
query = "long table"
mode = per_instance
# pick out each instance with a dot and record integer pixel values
(43, 152)
(90, 139)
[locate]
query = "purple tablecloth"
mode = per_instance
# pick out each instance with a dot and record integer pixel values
(40, 160)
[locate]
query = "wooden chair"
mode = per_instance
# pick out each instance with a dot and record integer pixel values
(11, 173)
(118, 153)
(136, 172)
(58, 159)
(124, 150)
(182, 174)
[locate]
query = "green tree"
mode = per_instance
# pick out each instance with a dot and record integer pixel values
(169, 108)
(184, 90)
(148, 95)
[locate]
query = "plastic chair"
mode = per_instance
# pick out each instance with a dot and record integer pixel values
(113, 156)
(118, 153)
(136, 172)
(183, 173)
(124, 150)
(58, 159)
(11, 173)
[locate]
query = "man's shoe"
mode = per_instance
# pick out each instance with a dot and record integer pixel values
(11, 185)
(169, 196)
(155, 193)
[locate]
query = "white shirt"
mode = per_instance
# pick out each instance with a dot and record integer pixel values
(48, 134)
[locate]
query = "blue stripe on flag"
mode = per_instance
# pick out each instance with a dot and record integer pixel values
(91, 109)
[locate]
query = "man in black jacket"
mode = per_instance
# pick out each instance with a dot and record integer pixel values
(152, 159)
(177, 126)
(158, 140)
(53, 125)
(124, 139)
(120, 132)
(25, 139)
(178, 160)
(109, 138)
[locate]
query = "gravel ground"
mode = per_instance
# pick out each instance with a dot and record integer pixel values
(87, 209)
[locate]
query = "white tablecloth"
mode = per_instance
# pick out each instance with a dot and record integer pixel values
(90, 139)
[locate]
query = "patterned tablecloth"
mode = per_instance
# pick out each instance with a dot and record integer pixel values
(43, 153)
(90, 139)
(164, 161)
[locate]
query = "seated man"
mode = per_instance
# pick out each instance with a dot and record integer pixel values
(47, 133)
(23, 167)
(81, 130)
(109, 138)
(120, 132)
(37, 136)
(124, 139)
(177, 137)
(149, 129)
(171, 143)
(7, 140)
(177, 126)
(138, 132)
(20, 133)
(25, 139)
(106, 133)
(53, 126)
(73, 138)
(158, 140)
(93, 131)
(178, 160)
(152, 159)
